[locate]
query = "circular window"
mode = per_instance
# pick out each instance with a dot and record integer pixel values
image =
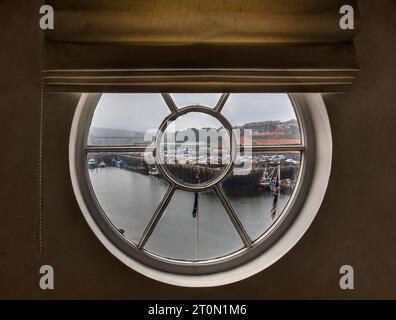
(199, 189)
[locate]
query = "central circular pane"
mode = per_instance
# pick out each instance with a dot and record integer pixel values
(195, 148)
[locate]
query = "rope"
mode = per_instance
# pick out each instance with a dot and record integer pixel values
(37, 243)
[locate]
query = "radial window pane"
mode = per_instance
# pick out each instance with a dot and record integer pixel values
(251, 188)
(262, 119)
(193, 99)
(179, 235)
(127, 119)
(128, 188)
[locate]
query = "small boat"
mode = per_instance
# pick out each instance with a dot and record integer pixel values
(102, 164)
(92, 164)
(286, 185)
(264, 183)
(121, 164)
(153, 171)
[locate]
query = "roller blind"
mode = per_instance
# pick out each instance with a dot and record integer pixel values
(199, 45)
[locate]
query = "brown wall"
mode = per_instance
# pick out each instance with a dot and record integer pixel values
(356, 224)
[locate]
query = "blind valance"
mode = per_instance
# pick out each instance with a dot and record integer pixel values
(199, 45)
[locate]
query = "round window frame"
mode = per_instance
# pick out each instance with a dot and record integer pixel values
(160, 160)
(277, 241)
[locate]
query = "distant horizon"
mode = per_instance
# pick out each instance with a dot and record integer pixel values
(131, 130)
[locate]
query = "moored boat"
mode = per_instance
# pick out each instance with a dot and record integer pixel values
(92, 164)
(153, 171)
(286, 185)
(265, 181)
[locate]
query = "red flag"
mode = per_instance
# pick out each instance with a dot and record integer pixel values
(277, 190)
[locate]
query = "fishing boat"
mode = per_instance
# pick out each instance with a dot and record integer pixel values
(265, 181)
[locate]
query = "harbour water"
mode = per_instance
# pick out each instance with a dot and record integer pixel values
(129, 199)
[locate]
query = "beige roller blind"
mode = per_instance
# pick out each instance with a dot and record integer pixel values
(199, 45)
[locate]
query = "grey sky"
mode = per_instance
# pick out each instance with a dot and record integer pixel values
(190, 99)
(197, 120)
(140, 112)
(242, 108)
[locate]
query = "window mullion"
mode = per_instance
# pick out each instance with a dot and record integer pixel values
(232, 215)
(220, 104)
(156, 216)
(109, 148)
(169, 102)
(271, 148)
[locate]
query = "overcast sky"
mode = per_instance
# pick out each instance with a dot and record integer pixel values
(140, 112)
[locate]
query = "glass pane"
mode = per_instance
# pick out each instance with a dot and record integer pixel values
(127, 188)
(192, 99)
(181, 236)
(251, 188)
(127, 119)
(263, 119)
(195, 148)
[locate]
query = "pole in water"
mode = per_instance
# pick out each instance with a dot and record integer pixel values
(197, 240)
(195, 210)
(196, 181)
(195, 206)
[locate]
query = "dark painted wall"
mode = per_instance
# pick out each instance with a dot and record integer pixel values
(356, 224)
